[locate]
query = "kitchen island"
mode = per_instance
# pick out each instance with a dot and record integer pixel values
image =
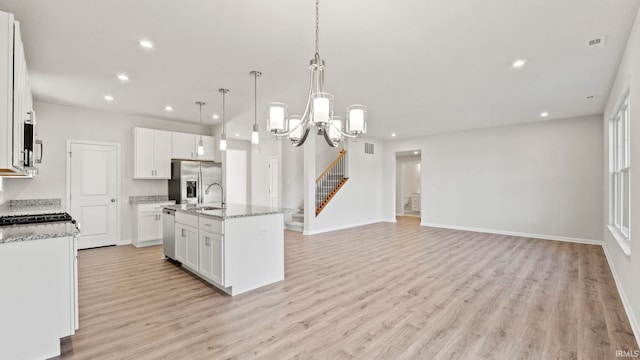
(237, 248)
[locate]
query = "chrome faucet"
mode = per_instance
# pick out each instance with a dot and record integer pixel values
(221, 191)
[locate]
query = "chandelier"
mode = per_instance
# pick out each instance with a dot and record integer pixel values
(318, 111)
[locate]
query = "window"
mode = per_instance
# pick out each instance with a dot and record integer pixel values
(621, 172)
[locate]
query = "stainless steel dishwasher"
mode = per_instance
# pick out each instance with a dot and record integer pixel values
(168, 233)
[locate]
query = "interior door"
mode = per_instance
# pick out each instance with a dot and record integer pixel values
(274, 182)
(93, 197)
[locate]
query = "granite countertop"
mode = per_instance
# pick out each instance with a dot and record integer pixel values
(31, 207)
(17, 233)
(229, 211)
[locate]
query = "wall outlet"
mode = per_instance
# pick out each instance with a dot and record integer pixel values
(532, 220)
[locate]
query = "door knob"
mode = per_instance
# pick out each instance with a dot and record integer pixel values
(113, 200)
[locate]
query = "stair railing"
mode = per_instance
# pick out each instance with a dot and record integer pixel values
(330, 181)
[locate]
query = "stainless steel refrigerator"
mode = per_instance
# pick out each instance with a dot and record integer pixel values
(190, 180)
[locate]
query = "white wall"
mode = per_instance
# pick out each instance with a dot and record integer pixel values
(260, 155)
(228, 176)
(626, 269)
(58, 123)
(495, 179)
(292, 166)
(359, 201)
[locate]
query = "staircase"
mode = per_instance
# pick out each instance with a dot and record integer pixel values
(330, 182)
(296, 223)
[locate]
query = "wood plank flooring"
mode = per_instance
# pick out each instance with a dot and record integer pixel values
(382, 291)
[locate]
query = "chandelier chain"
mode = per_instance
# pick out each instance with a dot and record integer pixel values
(317, 26)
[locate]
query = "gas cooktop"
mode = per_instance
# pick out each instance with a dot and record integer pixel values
(35, 219)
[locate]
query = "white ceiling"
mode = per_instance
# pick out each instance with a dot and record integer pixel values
(421, 66)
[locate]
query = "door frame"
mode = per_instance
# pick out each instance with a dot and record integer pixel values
(67, 195)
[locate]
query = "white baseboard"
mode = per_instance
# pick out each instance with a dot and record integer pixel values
(390, 220)
(123, 242)
(512, 233)
(633, 320)
(342, 227)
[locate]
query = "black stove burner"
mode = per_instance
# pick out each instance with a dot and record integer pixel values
(35, 219)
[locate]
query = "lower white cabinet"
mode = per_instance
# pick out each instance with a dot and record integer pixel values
(211, 254)
(147, 227)
(187, 246)
(39, 304)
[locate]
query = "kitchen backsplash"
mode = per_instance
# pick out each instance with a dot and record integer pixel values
(149, 199)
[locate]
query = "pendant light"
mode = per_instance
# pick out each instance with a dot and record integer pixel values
(255, 134)
(223, 136)
(200, 143)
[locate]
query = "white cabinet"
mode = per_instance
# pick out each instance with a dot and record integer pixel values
(147, 227)
(211, 265)
(38, 305)
(415, 202)
(152, 154)
(187, 240)
(185, 146)
(16, 102)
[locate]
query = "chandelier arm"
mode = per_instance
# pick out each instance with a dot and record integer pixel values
(302, 138)
(328, 139)
(304, 120)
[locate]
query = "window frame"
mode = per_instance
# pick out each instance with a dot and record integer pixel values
(620, 170)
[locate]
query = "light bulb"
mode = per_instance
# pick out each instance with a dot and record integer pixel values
(255, 137)
(223, 142)
(200, 147)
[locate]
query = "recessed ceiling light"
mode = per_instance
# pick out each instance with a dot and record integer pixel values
(147, 44)
(123, 77)
(393, 134)
(215, 116)
(168, 108)
(109, 98)
(237, 135)
(544, 114)
(519, 63)
(415, 153)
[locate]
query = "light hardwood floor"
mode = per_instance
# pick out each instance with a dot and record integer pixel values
(382, 291)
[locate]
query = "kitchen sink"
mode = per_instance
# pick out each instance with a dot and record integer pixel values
(208, 208)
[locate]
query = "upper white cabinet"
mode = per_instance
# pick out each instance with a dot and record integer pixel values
(152, 154)
(16, 103)
(185, 146)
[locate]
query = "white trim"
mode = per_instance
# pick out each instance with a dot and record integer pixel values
(635, 326)
(341, 227)
(513, 233)
(390, 220)
(118, 180)
(124, 242)
(620, 239)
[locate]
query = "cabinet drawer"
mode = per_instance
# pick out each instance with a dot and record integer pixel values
(186, 219)
(211, 225)
(153, 207)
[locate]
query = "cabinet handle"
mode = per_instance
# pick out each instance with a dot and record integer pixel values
(207, 225)
(183, 234)
(207, 240)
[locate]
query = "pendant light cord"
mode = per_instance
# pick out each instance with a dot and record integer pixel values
(255, 98)
(317, 27)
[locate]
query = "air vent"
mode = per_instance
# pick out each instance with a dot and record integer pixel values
(597, 43)
(368, 148)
